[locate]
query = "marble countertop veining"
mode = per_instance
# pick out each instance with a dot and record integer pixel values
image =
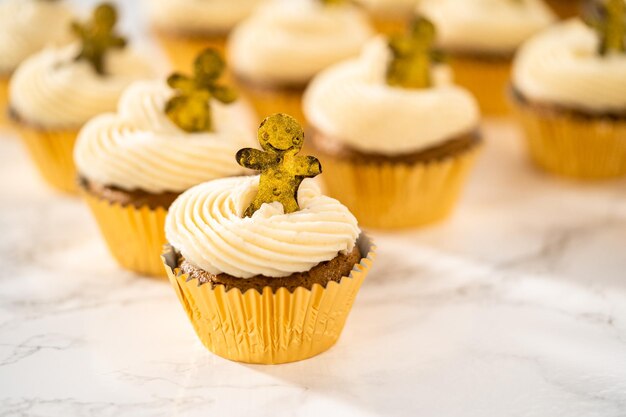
(514, 307)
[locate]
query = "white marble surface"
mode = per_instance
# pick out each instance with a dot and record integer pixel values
(514, 307)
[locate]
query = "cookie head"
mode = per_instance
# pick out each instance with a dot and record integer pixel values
(280, 133)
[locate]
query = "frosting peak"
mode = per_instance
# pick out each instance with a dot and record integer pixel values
(352, 103)
(289, 41)
(140, 148)
(207, 226)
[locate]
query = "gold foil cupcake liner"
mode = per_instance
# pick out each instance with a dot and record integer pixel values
(388, 195)
(5, 122)
(183, 50)
(134, 235)
(487, 80)
(267, 327)
(53, 154)
(267, 100)
(573, 145)
(390, 26)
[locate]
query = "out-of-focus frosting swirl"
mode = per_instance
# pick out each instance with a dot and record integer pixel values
(389, 8)
(562, 66)
(206, 225)
(198, 17)
(352, 102)
(26, 26)
(140, 148)
(289, 41)
(486, 26)
(52, 90)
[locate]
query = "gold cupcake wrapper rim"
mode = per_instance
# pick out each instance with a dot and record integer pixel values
(134, 235)
(269, 327)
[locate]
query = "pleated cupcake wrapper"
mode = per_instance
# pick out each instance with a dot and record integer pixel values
(53, 154)
(134, 235)
(487, 80)
(267, 101)
(397, 195)
(182, 50)
(575, 146)
(269, 327)
(5, 122)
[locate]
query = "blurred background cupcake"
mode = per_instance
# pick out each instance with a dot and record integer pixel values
(186, 27)
(55, 91)
(569, 88)
(389, 16)
(276, 52)
(566, 8)
(26, 26)
(480, 38)
(395, 136)
(164, 138)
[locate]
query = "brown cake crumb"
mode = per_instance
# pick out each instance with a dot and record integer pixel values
(137, 198)
(321, 274)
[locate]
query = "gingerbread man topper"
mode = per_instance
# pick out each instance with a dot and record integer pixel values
(282, 170)
(190, 108)
(412, 56)
(609, 20)
(97, 36)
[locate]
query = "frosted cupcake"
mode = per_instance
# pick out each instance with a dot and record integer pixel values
(480, 38)
(162, 140)
(569, 87)
(396, 138)
(266, 267)
(389, 16)
(26, 27)
(55, 91)
(276, 52)
(186, 27)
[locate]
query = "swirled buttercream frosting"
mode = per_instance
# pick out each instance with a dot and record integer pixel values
(486, 26)
(198, 17)
(289, 41)
(29, 25)
(52, 90)
(562, 66)
(351, 102)
(207, 226)
(139, 148)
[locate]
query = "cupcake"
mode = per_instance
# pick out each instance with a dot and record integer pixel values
(164, 138)
(186, 27)
(276, 52)
(389, 16)
(266, 267)
(55, 91)
(569, 90)
(480, 38)
(396, 137)
(27, 26)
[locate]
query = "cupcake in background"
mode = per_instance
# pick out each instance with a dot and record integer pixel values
(566, 8)
(266, 267)
(186, 27)
(396, 137)
(276, 52)
(55, 91)
(164, 138)
(569, 90)
(480, 38)
(26, 26)
(389, 16)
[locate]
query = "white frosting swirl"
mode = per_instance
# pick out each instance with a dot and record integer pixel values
(562, 66)
(140, 148)
(198, 17)
(52, 90)
(389, 8)
(206, 225)
(288, 42)
(352, 102)
(486, 26)
(29, 25)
